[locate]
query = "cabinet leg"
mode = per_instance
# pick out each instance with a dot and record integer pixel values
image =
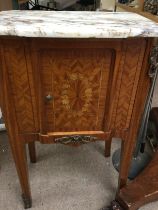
(27, 202)
(108, 147)
(126, 156)
(17, 142)
(19, 154)
(32, 152)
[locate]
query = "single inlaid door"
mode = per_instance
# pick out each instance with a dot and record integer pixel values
(75, 86)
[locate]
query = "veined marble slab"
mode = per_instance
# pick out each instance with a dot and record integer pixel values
(66, 24)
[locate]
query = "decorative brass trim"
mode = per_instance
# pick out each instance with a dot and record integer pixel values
(75, 139)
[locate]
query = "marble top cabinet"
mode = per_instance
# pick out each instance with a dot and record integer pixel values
(73, 78)
(68, 24)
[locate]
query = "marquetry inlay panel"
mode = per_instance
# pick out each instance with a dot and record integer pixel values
(129, 73)
(20, 89)
(77, 80)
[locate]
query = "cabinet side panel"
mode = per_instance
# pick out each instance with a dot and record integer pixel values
(16, 67)
(131, 69)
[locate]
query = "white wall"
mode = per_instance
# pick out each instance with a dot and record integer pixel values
(108, 4)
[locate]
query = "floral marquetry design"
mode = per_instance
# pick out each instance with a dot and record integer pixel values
(77, 94)
(78, 81)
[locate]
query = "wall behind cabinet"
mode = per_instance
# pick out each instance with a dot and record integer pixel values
(5, 5)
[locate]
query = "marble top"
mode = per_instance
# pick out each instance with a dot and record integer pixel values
(66, 24)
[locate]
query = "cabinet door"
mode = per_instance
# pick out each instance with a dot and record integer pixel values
(74, 84)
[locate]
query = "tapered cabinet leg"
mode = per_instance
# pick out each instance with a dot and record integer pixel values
(17, 142)
(32, 152)
(19, 153)
(108, 147)
(126, 156)
(27, 201)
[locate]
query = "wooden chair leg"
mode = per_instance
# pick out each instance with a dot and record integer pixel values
(143, 189)
(32, 152)
(108, 147)
(19, 154)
